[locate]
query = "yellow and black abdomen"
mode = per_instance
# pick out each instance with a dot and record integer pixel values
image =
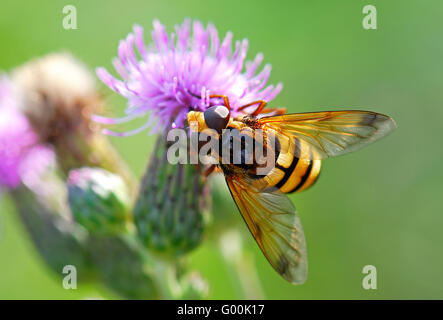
(299, 176)
(300, 172)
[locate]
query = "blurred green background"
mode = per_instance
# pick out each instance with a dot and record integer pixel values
(379, 206)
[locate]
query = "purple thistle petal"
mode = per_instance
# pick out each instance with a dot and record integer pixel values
(120, 69)
(106, 120)
(226, 48)
(139, 42)
(251, 67)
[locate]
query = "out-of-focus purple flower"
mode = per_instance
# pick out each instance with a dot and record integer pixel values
(178, 73)
(22, 159)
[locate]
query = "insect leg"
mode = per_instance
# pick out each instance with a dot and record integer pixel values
(261, 105)
(225, 99)
(208, 170)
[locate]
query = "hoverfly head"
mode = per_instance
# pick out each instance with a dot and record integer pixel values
(217, 118)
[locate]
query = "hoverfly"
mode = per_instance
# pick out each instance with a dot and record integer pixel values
(302, 140)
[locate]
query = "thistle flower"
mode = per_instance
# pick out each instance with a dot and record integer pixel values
(22, 159)
(175, 75)
(23, 164)
(58, 97)
(178, 73)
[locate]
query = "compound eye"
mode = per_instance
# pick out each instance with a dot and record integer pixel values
(217, 118)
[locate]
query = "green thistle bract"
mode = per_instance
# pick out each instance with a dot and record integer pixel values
(171, 210)
(99, 200)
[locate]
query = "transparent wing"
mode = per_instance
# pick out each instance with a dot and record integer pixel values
(272, 219)
(331, 133)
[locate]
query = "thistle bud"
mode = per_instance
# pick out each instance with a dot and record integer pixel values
(99, 200)
(172, 206)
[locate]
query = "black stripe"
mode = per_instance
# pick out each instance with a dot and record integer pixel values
(288, 171)
(304, 178)
(277, 148)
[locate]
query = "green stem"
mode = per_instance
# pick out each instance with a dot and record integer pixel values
(163, 271)
(240, 261)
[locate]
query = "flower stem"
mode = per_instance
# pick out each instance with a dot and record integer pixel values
(240, 261)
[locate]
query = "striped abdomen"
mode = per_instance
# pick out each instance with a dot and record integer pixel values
(299, 173)
(292, 171)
